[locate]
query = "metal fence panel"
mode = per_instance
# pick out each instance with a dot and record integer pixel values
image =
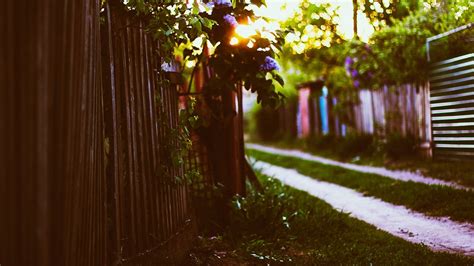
(452, 107)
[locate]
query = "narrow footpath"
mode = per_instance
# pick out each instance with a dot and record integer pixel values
(394, 174)
(439, 234)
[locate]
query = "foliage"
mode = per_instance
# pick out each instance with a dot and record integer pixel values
(400, 51)
(244, 51)
(313, 42)
(313, 27)
(344, 148)
(267, 124)
(394, 55)
(397, 146)
(173, 23)
(397, 54)
(190, 30)
(355, 145)
(177, 144)
(315, 50)
(383, 13)
(205, 32)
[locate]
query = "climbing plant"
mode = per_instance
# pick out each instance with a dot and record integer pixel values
(244, 52)
(224, 37)
(242, 49)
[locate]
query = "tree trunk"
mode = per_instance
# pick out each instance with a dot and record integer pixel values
(355, 8)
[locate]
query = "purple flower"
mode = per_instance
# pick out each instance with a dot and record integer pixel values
(231, 20)
(210, 5)
(222, 3)
(354, 73)
(269, 64)
(356, 83)
(348, 61)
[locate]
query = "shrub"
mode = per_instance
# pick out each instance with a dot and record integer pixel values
(355, 145)
(267, 124)
(397, 146)
(324, 142)
(269, 212)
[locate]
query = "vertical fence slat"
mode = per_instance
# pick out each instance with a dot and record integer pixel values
(152, 209)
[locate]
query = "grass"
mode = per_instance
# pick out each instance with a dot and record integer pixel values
(430, 199)
(284, 226)
(455, 171)
(459, 172)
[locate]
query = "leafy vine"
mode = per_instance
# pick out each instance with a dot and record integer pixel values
(223, 36)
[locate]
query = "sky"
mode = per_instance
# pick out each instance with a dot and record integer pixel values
(283, 9)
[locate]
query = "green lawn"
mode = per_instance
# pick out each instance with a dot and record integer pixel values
(284, 226)
(455, 171)
(429, 199)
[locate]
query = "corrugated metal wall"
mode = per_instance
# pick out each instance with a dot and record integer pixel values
(452, 107)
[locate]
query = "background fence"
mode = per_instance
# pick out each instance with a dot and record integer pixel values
(85, 121)
(404, 110)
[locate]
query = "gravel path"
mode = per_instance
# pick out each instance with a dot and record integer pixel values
(394, 174)
(440, 234)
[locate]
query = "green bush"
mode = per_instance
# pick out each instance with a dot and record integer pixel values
(355, 145)
(398, 146)
(270, 211)
(324, 142)
(343, 147)
(267, 124)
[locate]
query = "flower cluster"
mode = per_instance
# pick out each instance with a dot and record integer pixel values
(351, 71)
(269, 65)
(220, 3)
(242, 54)
(229, 19)
(358, 67)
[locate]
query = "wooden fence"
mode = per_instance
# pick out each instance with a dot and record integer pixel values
(85, 174)
(152, 212)
(403, 110)
(52, 178)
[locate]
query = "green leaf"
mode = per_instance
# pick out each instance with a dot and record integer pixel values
(208, 23)
(259, 2)
(279, 79)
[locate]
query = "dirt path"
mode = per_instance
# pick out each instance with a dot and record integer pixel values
(394, 174)
(440, 234)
